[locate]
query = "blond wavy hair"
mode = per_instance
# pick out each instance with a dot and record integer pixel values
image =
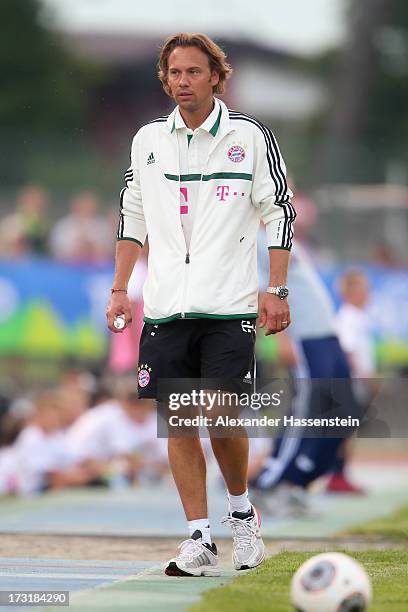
(216, 57)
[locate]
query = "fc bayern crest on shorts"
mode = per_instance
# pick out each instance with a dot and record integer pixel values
(236, 154)
(144, 375)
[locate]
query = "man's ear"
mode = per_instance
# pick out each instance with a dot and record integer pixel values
(215, 78)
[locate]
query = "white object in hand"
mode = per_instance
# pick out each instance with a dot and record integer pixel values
(119, 321)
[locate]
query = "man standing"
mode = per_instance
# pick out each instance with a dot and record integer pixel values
(199, 182)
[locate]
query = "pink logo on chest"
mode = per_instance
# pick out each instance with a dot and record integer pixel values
(222, 192)
(184, 198)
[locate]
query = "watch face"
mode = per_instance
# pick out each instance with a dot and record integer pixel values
(283, 292)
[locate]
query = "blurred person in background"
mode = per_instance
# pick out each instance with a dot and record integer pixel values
(10, 428)
(307, 221)
(311, 350)
(25, 231)
(83, 235)
(122, 434)
(77, 380)
(72, 405)
(42, 459)
(354, 325)
(355, 330)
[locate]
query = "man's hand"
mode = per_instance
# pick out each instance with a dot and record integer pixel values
(274, 313)
(119, 304)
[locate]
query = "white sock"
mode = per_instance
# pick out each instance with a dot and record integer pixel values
(239, 503)
(202, 525)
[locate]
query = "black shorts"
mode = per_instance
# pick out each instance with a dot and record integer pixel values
(210, 349)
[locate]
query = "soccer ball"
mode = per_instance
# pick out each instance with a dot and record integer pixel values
(331, 582)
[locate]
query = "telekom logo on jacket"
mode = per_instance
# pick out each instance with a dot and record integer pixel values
(222, 193)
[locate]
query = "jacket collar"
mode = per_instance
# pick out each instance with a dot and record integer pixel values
(217, 123)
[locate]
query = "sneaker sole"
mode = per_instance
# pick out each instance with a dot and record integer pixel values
(247, 567)
(173, 570)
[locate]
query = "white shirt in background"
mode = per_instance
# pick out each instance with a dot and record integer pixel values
(106, 432)
(37, 454)
(8, 471)
(311, 307)
(71, 234)
(355, 333)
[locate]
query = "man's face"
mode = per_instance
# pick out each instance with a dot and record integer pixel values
(49, 419)
(190, 79)
(360, 291)
(356, 290)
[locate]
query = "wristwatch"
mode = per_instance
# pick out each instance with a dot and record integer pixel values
(281, 291)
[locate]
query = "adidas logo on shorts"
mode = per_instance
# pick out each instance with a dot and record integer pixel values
(248, 377)
(150, 159)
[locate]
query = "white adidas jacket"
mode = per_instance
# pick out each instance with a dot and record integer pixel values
(242, 183)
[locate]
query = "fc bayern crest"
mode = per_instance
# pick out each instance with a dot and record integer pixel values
(236, 154)
(144, 375)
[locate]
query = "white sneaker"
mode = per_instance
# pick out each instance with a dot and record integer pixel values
(248, 549)
(195, 559)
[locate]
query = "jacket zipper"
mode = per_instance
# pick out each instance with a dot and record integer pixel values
(186, 261)
(187, 258)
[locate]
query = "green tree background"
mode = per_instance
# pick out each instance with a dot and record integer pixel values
(47, 93)
(41, 84)
(365, 131)
(44, 102)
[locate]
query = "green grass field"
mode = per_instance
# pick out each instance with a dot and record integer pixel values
(394, 526)
(267, 589)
